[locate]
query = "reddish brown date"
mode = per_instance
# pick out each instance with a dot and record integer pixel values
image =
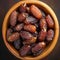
(33, 40)
(38, 53)
(9, 32)
(19, 27)
(24, 50)
(49, 21)
(35, 11)
(21, 17)
(13, 37)
(30, 20)
(26, 35)
(38, 47)
(50, 35)
(30, 28)
(13, 18)
(43, 24)
(42, 35)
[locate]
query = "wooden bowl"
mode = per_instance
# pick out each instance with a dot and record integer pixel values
(48, 10)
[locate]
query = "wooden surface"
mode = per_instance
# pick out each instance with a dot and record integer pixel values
(5, 5)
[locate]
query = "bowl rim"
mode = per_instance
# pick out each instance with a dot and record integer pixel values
(13, 51)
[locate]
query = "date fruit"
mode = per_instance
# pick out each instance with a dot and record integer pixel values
(26, 35)
(30, 20)
(21, 17)
(42, 35)
(9, 32)
(49, 21)
(24, 50)
(22, 8)
(30, 28)
(43, 24)
(13, 37)
(19, 27)
(35, 11)
(17, 44)
(38, 47)
(33, 40)
(13, 18)
(50, 35)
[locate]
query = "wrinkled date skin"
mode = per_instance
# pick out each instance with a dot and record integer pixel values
(13, 18)
(50, 35)
(30, 28)
(19, 27)
(21, 17)
(24, 50)
(36, 11)
(13, 37)
(26, 35)
(33, 40)
(38, 47)
(49, 21)
(43, 24)
(42, 35)
(9, 32)
(30, 20)
(22, 8)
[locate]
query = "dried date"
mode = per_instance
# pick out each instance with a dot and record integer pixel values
(33, 40)
(19, 27)
(30, 28)
(13, 37)
(24, 50)
(17, 44)
(43, 24)
(26, 35)
(50, 35)
(42, 35)
(49, 21)
(13, 18)
(22, 8)
(30, 20)
(35, 11)
(38, 47)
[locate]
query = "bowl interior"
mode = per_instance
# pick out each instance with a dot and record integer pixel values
(47, 10)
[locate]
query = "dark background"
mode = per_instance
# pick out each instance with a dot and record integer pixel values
(5, 5)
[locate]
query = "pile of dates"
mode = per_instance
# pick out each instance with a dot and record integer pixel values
(30, 30)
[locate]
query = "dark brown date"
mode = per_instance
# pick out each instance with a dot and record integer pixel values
(43, 24)
(31, 20)
(49, 21)
(42, 35)
(30, 28)
(9, 32)
(38, 53)
(38, 47)
(13, 18)
(22, 8)
(17, 44)
(24, 50)
(21, 17)
(19, 27)
(50, 35)
(26, 35)
(13, 37)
